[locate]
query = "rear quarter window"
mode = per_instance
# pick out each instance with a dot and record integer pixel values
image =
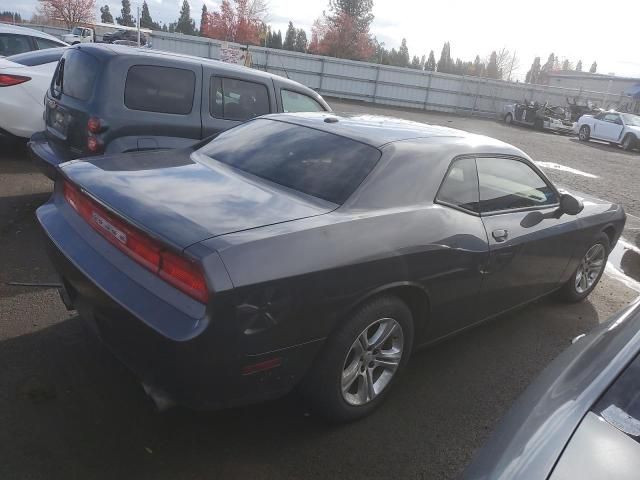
(299, 102)
(158, 89)
(76, 75)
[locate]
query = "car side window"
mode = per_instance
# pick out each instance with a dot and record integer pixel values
(160, 89)
(11, 44)
(233, 99)
(612, 118)
(299, 102)
(44, 43)
(507, 183)
(460, 185)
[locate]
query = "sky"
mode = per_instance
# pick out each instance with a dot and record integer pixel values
(588, 32)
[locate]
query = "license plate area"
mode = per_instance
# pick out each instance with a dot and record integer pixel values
(58, 120)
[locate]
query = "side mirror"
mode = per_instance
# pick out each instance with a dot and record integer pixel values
(570, 204)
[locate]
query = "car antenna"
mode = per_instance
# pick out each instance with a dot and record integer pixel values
(282, 65)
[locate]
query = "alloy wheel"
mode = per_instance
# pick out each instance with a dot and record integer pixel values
(590, 268)
(583, 134)
(372, 361)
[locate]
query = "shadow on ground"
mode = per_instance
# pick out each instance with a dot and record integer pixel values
(69, 410)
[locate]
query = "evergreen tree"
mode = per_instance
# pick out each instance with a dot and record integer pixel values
(359, 10)
(594, 67)
(566, 65)
(403, 54)
(492, 66)
(301, 43)
(105, 15)
(125, 17)
(445, 63)
(579, 66)
(145, 18)
(478, 68)
(551, 62)
(423, 60)
(172, 27)
(186, 24)
(277, 40)
(290, 37)
(534, 72)
(415, 62)
(431, 62)
(164, 27)
(204, 19)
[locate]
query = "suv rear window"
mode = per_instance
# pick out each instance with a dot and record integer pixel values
(75, 75)
(310, 161)
(160, 89)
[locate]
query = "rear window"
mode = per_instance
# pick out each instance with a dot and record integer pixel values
(317, 163)
(37, 57)
(75, 75)
(10, 44)
(160, 89)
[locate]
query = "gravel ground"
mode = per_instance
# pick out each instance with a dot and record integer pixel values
(69, 410)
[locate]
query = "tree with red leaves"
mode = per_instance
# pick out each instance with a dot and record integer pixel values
(345, 32)
(339, 36)
(241, 22)
(69, 12)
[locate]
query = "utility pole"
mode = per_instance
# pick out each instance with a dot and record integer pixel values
(138, 24)
(513, 59)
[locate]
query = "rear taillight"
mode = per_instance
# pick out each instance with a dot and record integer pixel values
(94, 144)
(94, 125)
(176, 270)
(7, 80)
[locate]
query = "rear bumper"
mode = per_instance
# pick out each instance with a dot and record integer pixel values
(198, 362)
(44, 156)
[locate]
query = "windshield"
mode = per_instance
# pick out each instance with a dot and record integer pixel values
(310, 161)
(630, 119)
(77, 31)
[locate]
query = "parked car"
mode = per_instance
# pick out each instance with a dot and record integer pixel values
(113, 99)
(25, 78)
(15, 39)
(128, 35)
(580, 418)
(616, 128)
(540, 116)
(312, 250)
(80, 35)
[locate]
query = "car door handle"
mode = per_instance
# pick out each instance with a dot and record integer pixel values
(500, 235)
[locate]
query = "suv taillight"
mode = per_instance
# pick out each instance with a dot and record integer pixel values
(7, 80)
(94, 125)
(175, 269)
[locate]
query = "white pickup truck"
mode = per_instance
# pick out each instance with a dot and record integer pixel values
(80, 35)
(613, 127)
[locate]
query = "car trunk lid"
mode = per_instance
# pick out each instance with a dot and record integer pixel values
(171, 195)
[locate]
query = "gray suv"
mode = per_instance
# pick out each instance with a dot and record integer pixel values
(108, 99)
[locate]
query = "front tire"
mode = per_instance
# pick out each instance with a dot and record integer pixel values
(508, 119)
(588, 272)
(629, 142)
(584, 133)
(361, 361)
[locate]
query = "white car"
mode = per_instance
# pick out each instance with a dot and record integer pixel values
(14, 40)
(24, 80)
(613, 127)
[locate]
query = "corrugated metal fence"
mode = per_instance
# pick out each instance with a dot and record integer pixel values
(382, 84)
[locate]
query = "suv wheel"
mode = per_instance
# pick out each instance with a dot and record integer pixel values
(361, 361)
(589, 271)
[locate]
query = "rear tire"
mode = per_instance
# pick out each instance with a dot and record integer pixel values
(508, 119)
(588, 272)
(584, 133)
(355, 371)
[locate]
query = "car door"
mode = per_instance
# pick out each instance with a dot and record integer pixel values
(455, 290)
(529, 245)
(229, 101)
(609, 127)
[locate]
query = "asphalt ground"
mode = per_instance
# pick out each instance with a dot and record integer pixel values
(69, 410)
